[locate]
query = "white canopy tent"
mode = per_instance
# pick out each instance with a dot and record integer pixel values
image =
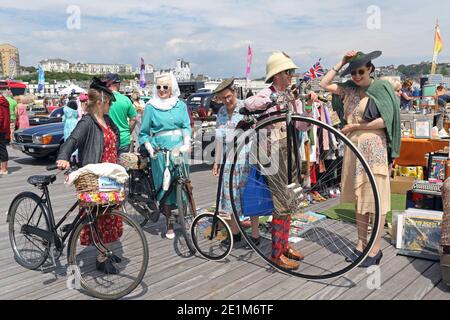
(72, 88)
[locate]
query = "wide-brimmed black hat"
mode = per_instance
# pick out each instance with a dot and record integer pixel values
(225, 84)
(361, 59)
(101, 85)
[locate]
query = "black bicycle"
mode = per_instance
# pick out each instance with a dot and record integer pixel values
(143, 196)
(35, 236)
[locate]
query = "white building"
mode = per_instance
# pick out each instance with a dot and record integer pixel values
(55, 65)
(60, 65)
(182, 70)
(149, 68)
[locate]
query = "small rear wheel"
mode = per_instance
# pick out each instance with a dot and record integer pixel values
(212, 238)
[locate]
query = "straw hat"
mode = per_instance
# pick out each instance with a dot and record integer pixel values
(278, 62)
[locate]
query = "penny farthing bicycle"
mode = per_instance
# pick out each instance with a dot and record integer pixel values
(307, 157)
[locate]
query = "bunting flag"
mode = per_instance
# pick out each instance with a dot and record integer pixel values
(142, 82)
(41, 78)
(316, 71)
(437, 48)
(249, 63)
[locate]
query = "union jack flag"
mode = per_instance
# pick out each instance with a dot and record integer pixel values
(316, 71)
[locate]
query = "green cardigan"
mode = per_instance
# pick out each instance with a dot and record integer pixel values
(388, 104)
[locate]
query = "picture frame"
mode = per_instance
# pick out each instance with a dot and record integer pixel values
(422, 128)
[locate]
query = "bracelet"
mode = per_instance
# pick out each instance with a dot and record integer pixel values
(337, 71)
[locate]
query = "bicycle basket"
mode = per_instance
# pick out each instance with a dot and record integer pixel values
(132, 161)
(89, 192)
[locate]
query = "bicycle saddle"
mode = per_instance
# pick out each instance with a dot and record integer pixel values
(43, 180)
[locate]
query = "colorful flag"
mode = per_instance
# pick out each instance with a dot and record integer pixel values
(437, 48)
(142, 81)
(316, 71)
(249, 63)
(41, 78)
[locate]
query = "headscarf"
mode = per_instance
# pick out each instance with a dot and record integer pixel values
(165, 104)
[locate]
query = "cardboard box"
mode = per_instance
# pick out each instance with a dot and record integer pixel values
(400, 185)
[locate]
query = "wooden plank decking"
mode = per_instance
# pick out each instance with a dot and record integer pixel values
(243, 275)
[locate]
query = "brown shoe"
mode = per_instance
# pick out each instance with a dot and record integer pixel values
(291, 253)
(285, 263)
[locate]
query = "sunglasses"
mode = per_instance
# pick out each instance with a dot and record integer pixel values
(290, 72)
(163, 87)
(360, 72)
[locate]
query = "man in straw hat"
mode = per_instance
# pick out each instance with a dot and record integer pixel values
(279, 72)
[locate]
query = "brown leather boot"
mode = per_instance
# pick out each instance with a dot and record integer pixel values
(284, 263)
(291, 253)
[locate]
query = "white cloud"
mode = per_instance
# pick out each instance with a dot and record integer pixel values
(214, 36)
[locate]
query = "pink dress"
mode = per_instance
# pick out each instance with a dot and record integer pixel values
(22, 116)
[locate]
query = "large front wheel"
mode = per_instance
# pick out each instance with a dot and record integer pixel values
(299, 192)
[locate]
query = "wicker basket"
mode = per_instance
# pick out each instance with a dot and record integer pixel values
(88, 193)
(86, 182)
(132, 161)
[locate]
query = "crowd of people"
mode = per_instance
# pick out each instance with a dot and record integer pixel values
(102, 125)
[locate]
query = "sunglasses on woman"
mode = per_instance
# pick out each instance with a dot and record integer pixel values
(163, 87)
(360, 72)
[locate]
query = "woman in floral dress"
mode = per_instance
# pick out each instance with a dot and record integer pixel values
(227, 119)
(371, 111)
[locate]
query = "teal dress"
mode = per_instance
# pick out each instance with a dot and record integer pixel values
(70, 120)
(156, 121)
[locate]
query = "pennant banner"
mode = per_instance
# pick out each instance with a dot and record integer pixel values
(41, 78)
(142, 82)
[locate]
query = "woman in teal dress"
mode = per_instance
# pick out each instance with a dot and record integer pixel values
(70, 120)
(165, 124)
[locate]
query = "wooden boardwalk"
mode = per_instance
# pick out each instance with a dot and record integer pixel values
(243, 276)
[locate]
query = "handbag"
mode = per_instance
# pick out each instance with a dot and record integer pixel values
(257, 198)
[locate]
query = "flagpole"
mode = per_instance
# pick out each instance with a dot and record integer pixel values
(434, 59)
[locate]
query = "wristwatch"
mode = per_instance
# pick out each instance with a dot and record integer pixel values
(337, 71)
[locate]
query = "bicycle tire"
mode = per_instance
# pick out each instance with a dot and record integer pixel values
(137, 250)
(212, 249)
(186, 214)
(20, 254)
(320, 274)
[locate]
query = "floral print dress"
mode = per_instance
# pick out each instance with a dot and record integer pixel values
(110, 227)
(225, 128)
(372, 144)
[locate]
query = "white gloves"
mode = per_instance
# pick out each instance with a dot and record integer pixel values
(150, 150)
(186, 147)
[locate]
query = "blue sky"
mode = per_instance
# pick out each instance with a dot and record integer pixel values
(214, 35)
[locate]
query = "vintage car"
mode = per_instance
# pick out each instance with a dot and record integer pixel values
(40, 118)
(40, 141)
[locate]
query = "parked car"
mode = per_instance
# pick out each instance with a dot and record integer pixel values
(40, 141)
(199, 104)
(44, 118)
